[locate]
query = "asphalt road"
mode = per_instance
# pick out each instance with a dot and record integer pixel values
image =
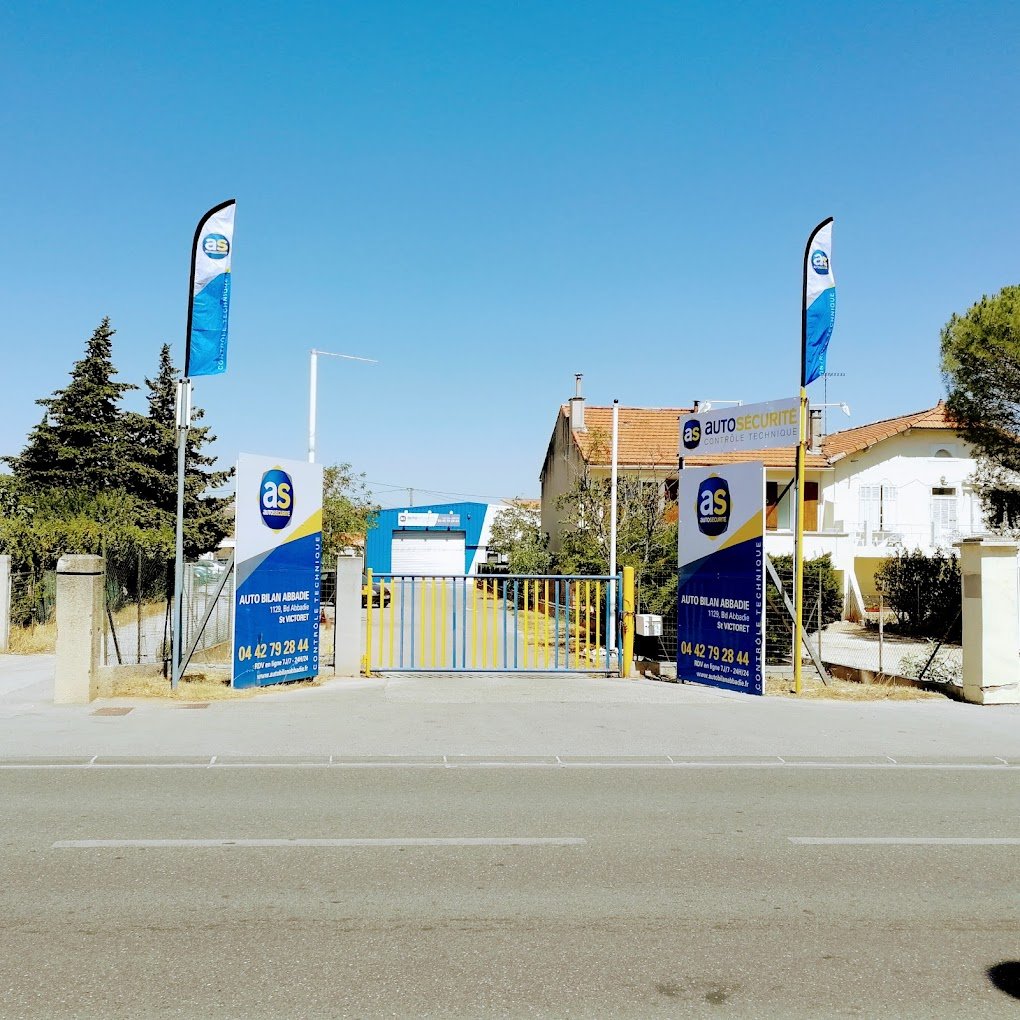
(644, 892)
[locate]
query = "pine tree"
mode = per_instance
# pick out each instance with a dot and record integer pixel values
(981, 368)
(81, 441)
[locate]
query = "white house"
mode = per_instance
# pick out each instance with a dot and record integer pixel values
(870, 491)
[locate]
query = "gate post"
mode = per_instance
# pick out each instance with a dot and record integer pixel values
(81, 602)
(628, 622)
(5, 603)
(348, 615)
(991, 621)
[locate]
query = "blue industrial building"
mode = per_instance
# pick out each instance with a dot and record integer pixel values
(445, 538)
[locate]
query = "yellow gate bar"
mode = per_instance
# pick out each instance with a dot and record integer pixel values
(368, 622)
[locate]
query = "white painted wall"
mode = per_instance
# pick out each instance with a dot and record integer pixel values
(906, 464)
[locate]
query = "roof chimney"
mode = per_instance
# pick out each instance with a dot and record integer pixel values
(577, 405)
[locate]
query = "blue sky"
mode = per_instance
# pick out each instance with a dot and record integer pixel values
(490, 196)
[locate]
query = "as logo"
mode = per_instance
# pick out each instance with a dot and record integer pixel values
(276, 499)
(216, 246)
(820, 262)
(714, 506)
(692, 434)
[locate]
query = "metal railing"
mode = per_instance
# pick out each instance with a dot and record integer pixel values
(535, 623)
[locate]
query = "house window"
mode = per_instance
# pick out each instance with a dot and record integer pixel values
(779, 500)
(878, 506)
(943, 451)
(672, 489)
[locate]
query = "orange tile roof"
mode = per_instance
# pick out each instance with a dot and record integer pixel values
(864, 436)
(649, 436)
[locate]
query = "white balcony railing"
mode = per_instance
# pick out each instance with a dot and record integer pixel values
(909, 536)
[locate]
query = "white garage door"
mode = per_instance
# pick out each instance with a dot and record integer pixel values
(428, 552)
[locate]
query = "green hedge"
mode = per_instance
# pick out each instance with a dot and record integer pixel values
(924, 593)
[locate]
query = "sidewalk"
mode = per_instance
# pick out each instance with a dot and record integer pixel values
(497, 716)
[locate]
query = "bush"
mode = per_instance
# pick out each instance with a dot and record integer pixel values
(924, 593)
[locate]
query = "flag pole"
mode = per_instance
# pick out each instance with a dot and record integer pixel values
(800, 470)
(217, 254)
(183, 425)
(798, 571)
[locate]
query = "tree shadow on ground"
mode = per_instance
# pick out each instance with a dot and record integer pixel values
(1006, 977)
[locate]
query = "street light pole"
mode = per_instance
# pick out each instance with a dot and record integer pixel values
(313, 385)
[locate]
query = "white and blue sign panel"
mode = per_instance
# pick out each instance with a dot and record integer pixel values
(721, 589)
(819, 302)
(278, 562)
(747, 427)
(210, 292)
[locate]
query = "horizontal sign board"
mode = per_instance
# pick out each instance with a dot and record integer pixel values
(747, 427)
(429, 519)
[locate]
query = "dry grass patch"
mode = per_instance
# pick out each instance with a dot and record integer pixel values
(38, 639)
(193, 687)
(845, 690)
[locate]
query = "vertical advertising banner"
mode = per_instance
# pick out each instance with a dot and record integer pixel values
(819, 302)
(209, 303)
(278, 562)
(721, 590)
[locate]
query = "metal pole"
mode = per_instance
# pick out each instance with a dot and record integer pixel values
(819, 612)
(881, 630)
(312, 387)
(313, 381)
(183, 424)
(611, 630)
(138, 610)
(798, 569)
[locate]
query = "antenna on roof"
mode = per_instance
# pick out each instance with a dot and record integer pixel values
(826, 376)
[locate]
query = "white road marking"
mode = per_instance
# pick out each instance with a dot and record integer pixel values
(555, 762)
(123, 844)
(905, 840)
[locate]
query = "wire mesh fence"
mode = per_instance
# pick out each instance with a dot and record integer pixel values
(877, 643)
(916, 637)
(33, 597)
(139, 611)
(33, 611)
(327, 619)
(655, 592)
(139, 588)
(208, 613)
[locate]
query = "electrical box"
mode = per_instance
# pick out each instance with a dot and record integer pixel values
(647, 625)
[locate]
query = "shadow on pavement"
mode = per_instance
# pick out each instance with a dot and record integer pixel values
(1006, 977)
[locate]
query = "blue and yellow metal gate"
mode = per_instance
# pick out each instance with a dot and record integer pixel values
(534, 623)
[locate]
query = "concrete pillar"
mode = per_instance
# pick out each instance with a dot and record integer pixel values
(5, 603)
(81, 607)
(991, 621)
(349, 632)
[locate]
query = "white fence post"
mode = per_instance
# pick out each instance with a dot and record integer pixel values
(991, 621)
(5, 603)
